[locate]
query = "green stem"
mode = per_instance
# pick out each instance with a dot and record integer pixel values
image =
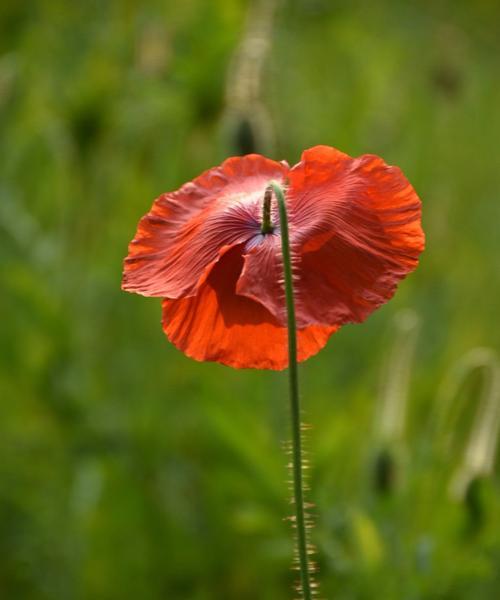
(298, 484)
(267, 224)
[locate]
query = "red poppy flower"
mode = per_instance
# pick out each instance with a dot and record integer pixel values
(355, 232)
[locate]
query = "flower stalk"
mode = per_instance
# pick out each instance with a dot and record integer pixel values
(298, 483)
(267, 224)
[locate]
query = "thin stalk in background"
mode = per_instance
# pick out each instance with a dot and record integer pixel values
(391, 415)
(298, 483)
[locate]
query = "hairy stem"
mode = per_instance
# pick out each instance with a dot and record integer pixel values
(298, 484)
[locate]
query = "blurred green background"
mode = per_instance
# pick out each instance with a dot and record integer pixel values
(128, 471)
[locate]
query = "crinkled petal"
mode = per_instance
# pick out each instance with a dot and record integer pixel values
(261, 278)
(219, 325)
(181, 238)
(355, 233)
(357, 230)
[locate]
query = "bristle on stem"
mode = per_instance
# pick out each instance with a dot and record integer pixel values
(301, 521)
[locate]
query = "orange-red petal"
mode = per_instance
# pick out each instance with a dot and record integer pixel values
(218, 325)
(355, 233)
(372, 216)
(184, 232)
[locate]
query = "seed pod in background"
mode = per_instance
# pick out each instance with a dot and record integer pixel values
(248, 132)
(475, 505)
(384, 471)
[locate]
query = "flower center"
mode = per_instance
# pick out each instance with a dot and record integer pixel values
(267, 224)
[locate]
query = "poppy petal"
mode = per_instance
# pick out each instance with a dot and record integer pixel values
(356, 226)
(219, 325)
(355, 233)
(181, 237)
(261, 278)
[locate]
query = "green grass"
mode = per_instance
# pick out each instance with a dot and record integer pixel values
(129, 471)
